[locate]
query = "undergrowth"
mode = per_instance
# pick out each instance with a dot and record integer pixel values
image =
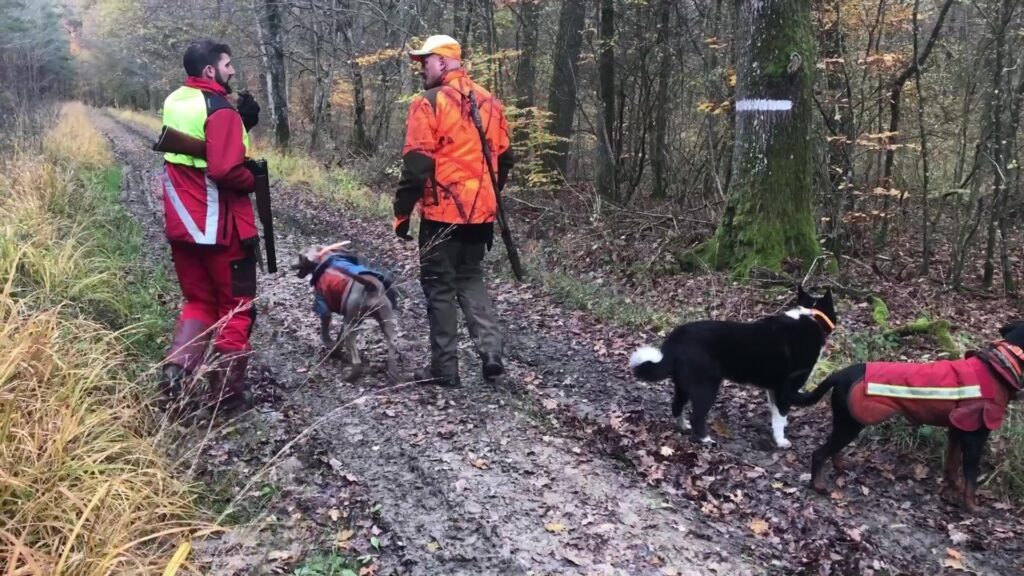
(84, 487)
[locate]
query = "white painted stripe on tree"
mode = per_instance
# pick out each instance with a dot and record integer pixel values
(761, 105)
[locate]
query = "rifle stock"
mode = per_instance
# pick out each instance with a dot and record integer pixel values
(177, 142)
(506, 231)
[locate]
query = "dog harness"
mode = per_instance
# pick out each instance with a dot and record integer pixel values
(331, 286)
(966, 394)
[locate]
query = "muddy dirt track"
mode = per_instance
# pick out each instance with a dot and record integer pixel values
(569, 466)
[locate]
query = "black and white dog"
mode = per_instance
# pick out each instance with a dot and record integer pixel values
(776, 353)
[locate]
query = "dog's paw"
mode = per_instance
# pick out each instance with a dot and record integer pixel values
(683, 423)
(357, 371)
(784, 443)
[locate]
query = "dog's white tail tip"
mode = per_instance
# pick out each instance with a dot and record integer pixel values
(645, 354)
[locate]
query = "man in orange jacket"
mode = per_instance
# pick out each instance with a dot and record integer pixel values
(444, 171)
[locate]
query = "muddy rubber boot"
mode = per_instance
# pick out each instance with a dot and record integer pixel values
(492, 367)
(231, 391)
(184, 355)
(170, 386)
(430, 376)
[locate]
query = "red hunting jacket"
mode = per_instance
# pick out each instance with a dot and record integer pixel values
(215, 200)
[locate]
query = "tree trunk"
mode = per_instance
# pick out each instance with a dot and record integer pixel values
(269, 31)
(562, 94)
(606, 157)
(526, 69)
(840, 122)
(462, 21)
(361, 140)
(768, 217)
(659, 151)
(926, 247)
(995, 147)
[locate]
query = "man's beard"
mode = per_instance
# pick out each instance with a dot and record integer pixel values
(222, 81)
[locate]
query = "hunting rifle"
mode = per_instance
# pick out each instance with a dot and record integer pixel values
(177, 142)
(506, 233)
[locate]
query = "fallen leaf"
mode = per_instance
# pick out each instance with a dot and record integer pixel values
(343, 537)
(480, 463)
(854, 534)
(554, 527)
(335, 514)
(575, 558)
(433, 546)
(549, 404)
(279, 555)
(837, 495)
(666, 451)
(758, 526)
(368, 570)
(920, 472)
(955, 560)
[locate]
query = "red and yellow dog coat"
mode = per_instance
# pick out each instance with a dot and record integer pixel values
(965, 394)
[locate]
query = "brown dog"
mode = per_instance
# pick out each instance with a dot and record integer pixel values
(344, 286)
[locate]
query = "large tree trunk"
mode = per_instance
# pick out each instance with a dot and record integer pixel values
(270, 33)
(562, 95)
(768, 216)
(606, 156)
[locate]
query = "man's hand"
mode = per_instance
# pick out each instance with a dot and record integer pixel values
(248, 109)
(401, 227)
(257, 168)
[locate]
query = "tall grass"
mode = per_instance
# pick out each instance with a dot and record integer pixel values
(84, 486)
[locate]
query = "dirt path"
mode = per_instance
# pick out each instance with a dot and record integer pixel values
(568, 467)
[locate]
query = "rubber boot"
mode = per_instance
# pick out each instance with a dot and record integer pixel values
(492, 366)
(229, 387)
(185, 354)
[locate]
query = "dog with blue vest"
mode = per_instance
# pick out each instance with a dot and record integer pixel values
(344, 284)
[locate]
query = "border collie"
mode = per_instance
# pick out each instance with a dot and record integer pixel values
(776, 353)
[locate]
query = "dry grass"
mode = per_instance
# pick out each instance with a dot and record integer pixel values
(84, 487)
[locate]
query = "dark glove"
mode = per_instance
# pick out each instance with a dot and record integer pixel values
(248, 109)
(401, 227)
(257, 167)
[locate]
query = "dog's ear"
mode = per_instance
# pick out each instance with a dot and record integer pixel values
(803, 298)
(1011, 327)
(826, 304)
(304, 266)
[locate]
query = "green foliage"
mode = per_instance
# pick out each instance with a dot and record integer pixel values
(879, 311)
(532, 137)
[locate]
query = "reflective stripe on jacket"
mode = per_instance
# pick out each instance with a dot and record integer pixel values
(206, 201)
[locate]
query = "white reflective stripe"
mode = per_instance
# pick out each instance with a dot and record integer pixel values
(209, 235)
(764, 105)
(924, 392)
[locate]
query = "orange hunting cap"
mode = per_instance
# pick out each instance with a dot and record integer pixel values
(441, 44)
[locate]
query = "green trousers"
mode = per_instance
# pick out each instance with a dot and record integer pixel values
(452, 277)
